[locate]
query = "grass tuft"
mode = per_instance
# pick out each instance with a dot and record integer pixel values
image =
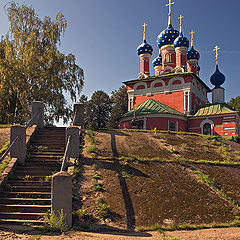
(55, 222)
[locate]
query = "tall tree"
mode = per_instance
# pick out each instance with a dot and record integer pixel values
(119, 99)
(33, 68)
(98, 110)
(235, 103)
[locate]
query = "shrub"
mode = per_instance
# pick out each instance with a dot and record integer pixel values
(55, 222)
(102, 210)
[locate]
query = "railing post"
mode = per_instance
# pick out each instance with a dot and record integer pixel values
(78, 111)
(73, 151)
(62, 196)
(38, 106)
(18, 150)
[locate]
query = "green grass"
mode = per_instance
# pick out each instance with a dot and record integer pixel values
(96, 175)
(4, 164)
(102, 210)
(4, 148)
(81, 213)
(5, 125)
(97, 187)
(213, 185)
(55, 222)
(185, 226)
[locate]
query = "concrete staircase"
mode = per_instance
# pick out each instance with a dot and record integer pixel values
(27, 194)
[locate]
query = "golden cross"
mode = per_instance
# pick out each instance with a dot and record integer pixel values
(181, 17)
(216, 50)
(169, 14)
(191, 33)
(144, 33)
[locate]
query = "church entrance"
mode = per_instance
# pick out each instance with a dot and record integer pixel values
(207, 129)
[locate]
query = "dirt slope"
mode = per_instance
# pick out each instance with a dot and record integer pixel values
(156, 191)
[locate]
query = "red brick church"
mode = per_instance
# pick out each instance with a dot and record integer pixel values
(175, 98)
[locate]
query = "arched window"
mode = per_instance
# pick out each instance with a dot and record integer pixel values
(167, 58)
(207, 129)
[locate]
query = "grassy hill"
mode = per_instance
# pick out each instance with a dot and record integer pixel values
(134, 179)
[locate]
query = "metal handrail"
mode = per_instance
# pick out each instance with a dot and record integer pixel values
(9, 148)
(30, 121)
(65, 154)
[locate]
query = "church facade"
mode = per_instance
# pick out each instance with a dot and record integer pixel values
(175, 98)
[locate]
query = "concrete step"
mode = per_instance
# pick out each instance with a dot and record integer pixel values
(53, 164)
(29, 201)
(33, 175)
(45, 155)
(21, 215)
(39, 150)
(24, 208)
(21, 221)
(28, 188)
(26, 194)
(28, 183)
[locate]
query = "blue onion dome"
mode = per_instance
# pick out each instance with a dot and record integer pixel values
(217, 79)
(167, 36)
(193, 54)
(144, 48)
(181, 41)
(157, 61)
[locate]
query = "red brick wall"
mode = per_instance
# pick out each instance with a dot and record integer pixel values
(174, 100)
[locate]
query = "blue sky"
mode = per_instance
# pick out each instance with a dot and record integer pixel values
(104, 35)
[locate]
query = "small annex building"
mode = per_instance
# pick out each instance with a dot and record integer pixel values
(175, 98)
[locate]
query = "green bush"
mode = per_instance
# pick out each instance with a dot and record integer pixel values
(55, 222)
(102, 210)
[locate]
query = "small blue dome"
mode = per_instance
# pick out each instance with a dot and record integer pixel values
(144, 48)
(167, 36)
(193, 54)
(157, 61)
(217, 79)
(181, 41)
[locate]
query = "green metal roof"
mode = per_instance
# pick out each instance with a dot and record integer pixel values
(214, 109)
(151, 106)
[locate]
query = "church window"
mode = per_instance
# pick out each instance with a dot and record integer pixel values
(167, 58)
(172, 126)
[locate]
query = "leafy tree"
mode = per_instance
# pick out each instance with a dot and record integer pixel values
(32, 67)
(235, 103)
(98, 110)
(119, 99)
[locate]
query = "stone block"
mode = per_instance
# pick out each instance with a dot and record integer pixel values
(73, 151)
(78, 110)
(18, 150)
(38, 107)
(62, 196)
